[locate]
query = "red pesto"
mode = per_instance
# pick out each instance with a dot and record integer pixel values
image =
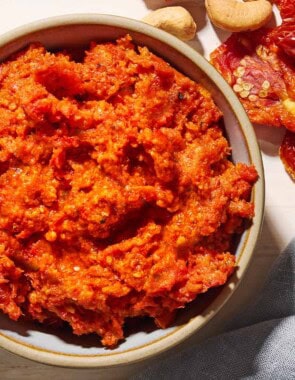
(287, 153)
(117, 195)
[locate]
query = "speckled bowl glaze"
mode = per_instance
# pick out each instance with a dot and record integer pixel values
(62, 347)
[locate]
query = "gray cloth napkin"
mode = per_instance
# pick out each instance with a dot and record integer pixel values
(260, 346)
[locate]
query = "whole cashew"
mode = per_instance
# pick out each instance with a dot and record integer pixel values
(175, 20)
(235, 16)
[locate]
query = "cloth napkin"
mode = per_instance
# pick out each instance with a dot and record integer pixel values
(261, 344)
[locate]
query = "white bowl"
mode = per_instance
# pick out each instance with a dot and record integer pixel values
(62, 347)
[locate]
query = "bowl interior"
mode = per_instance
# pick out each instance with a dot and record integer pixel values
(62, 347)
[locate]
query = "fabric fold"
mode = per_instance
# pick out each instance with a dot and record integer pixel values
(259, 346)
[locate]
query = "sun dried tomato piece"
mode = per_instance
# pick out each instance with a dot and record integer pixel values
(284, 37)
(287, 8)
(287, 153)
(261, 75)
(260, 67)
(284, 34)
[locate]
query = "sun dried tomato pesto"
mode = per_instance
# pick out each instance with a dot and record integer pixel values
(117, 195)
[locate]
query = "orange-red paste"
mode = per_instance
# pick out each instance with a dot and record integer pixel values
(117, 195)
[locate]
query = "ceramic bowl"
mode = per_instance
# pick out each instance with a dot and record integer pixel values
(62, 348)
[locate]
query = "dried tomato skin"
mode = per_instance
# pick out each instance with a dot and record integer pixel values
(284, 34)
(287, 8)
(284, 37)
(276, 64)
(287, 153)
(255, 61)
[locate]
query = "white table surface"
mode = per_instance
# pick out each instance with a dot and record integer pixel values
(279, 223)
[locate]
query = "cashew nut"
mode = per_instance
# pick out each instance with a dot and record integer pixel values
(175, 20)
(236, 16)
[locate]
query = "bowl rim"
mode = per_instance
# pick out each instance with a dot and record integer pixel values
(176, 337)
